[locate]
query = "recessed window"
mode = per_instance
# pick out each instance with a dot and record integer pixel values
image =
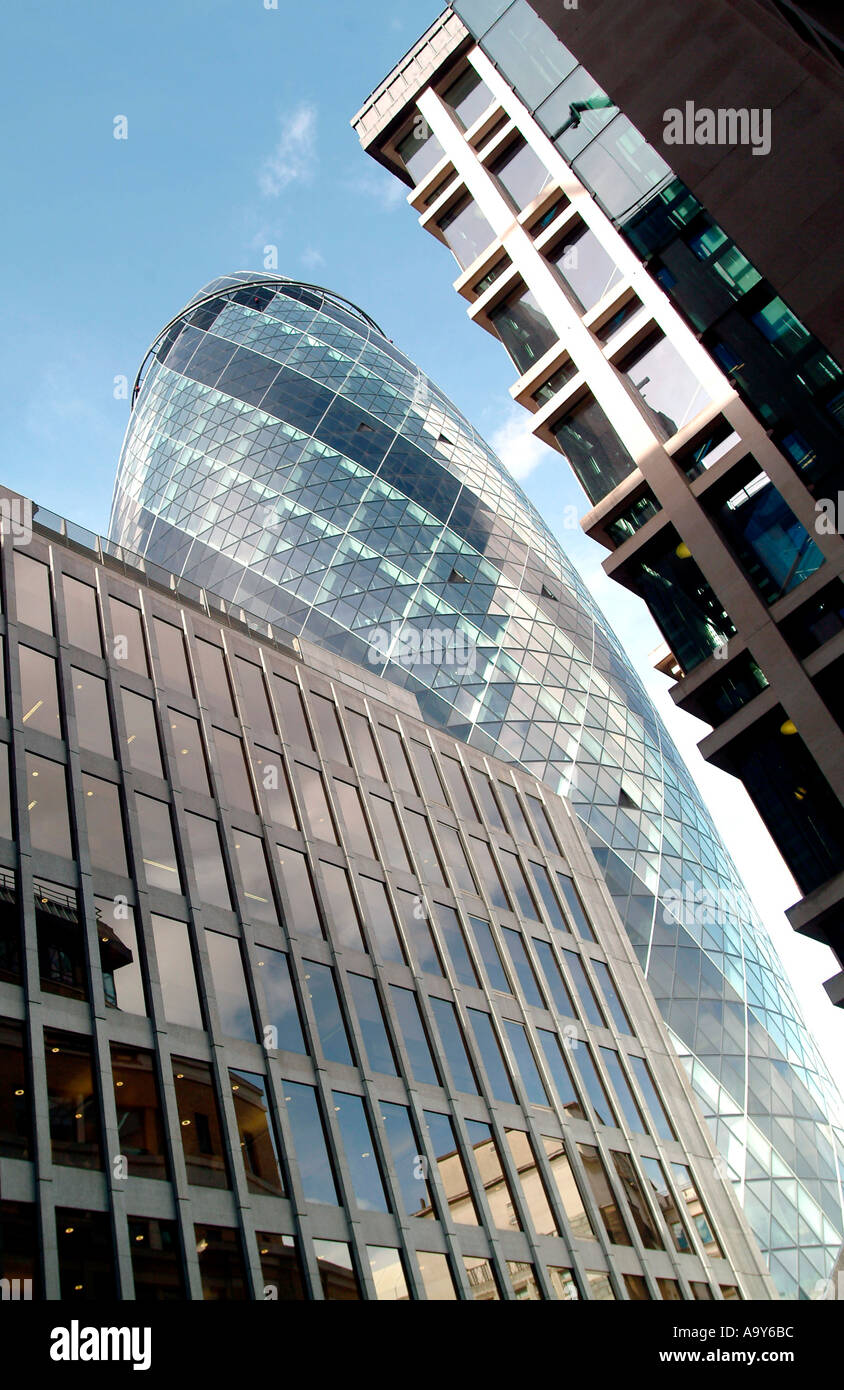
(227, 973)
(156, 1261)
(453, 1176)
(521, 174)
(361, 1157)
(593, 450)
(39, 692)
(213, 675)
(189, 753)
(468, 98)
(523, 328)
(81, 615)
(420, 150)
(157, 846)
(258, 1144)
(254, 692)
(466, 232)
(221, 1264)
(72, 1100)
(93, 721)
(172, 659)
(141, 734)
(667, 385)
(15, 1095)
(237, 787)
(207, 860)
(199, 1121)
(139, 1117)
(176, 972)
(46, 789)
(309, 1143)
(32, 592)
(128, 646)
(585, 267)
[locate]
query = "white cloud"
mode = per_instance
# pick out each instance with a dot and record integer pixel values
(379, 187)
(519, 450)
(294, 158)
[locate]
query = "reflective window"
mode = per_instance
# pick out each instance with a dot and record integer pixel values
(123, 977)
(139, 1118)
(39, 692)
(518, 884)
(521, 961)
(387, 826)
(190, 754)
(668, 1206)
(522, 174)
(414, 916)
(72, 1100)
(523, 328)
(255, 877)
(696, 1210)
(488, 871)
(221, 1265)
(593, 1084)
(491, 1055)
(456, 859)
(620, 168)
(593, 450)
(328, 728)
(659, 1117)
(104, 822)
(331, 1025)
(426, 770)
(387, 1274)
(493, 1179)
(458, 788)
(531, 1182)
(774, 549)
(141, 734)
(454, 1048)
(15, 1096)
(420, 150)
(486, 796)
(199, 1121)
(316, 806)
(336, 1271)
(282, 1012)
(667, 385)
(157, 847)
(526, 1064)
(294, 726)
(518, 824)
(380, 922)
(172, 660)
(414, 1035)
(176, 973)
(596, 1176)
(452, 1170)
(81, 615)
(156, 1261)
(589, 1004)
(556, 1053)
(256, 706)
(568, 1189)
(281, 1270)
(642, 1215)
(61, 945)
(405, 1151)
(589, 271)
(468, 98)
(296, 876)
(396, 759)
(610, 992)
(427, 860)
(93, 722)
(363, 745)
(207, 858)
(86, 1256)
(359, 1145)
(229, 980)
(5, 806)
(523, 1280)
(46, 790)
(32, 592)
(315, 1168)
(549, 898)
(466, 232)
(355, 831)
(272, 777)
(520, 43)
(637, 1288)
(452, 933)
(490, 955)
(436, 1276)
(341, 907)
(379, 1049)
(128, 644)
(554, 979)
(231, 757)
(258, 1145)
(563, 1283)
(213, 676)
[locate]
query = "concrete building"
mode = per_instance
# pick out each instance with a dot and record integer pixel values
(285, 453)
(301, 998)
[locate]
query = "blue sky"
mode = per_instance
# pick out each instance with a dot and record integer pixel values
(238, 139)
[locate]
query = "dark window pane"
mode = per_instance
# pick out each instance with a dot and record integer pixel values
(315, 802)
(452, 932)
(380, 922)
(199, 1118)
(104, 821)
(156, 1261)
(489, 804)
(294, 726)
(614, 1004)
(542, 824)
(328, 728)
(221, 1265)
(272, 778)
(93, 723)
(593, 449)
(255, 876)
(426, 769)
(331, 1026)
(172, 660)
(128, 646)
(190, 754)
(526, 1064)
(61, 945)
(230, 986)
(32, 592)
(83, 624)
(379, 1049)
(282, 1012)
(656, 1109)
(360, 1152)
(490, 955)
(386, 824)
(258, 1146)
(491, 1055)
(451, 1036)
(518, 884)
(176, 972)
(213, 676)
(642, 1215)
(363, 745)
(142, 734)
(281, 1270)
(296, 876)
(237, 788)
(596, 1176)
(549, 897)
(553, 977)
(207, 857)
(523, 967)
(397, 762)
(15, 1095)
(72, 1101)
(355, 831)
(39, 692)
(46, 789)
(415, 1037)
(586, 994)
(414, 916)
(575, 906)
(5, 803)
(523, 328)
(157, 846)
(255, 703)
(337, 1271)
(120, 956)
(139, 1118)
(309, 1141)
(86, 1256)
(488, 872)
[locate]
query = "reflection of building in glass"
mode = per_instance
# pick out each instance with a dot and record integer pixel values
(305, 968)
(285, 454)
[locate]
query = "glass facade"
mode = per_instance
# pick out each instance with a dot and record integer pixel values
(436, 579)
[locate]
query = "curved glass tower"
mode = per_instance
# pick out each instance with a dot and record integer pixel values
(285, 455)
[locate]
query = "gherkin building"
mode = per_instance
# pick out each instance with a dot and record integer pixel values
(285, 455)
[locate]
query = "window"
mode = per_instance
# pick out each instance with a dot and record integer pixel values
(568, 1189)
(397, 763)
(404, 1151)
(518, 884)
(309, 1142)
(452, 1170)
(258, 1146)
(139, 1118)
(531, 1182)
(642, 1215)
(466, 232)
(281, 1270)
(72, 1100)
(436, 1276)
(296, 876)
(462, 1071)
(414, 1035)
(61, 944)
(176, 973)
(15, 1096)
(5, 804)
(81, 615)
(272, 777)
(468, 98)
(593, 1085)
(588, 1001)
(388, 1275)
(491, 1055)
(255, 876)
(376, 1040)
(380, 921)
(593, 450)
(46, 791)
(93, 722)
(156, 1262)
(282, 1012)
(157, 847)
(518, 824)
(123, 977)
(230, 989)
(336, 1271)
(294, 726)
(199, 1120)
(414, 916)
(614, 1004)
(32, 592)
(575, 906)
(316, 806)
(341, 906)
(237, 788)
(39, 692)
(221, 1265)
(667, 385)
(363, 745)
(773, 548)
(526, 1064)
(521, 174)
(213, 676)
(420, 150)
(496, 1187)
(523, 328)
(331, 1025)
(426, 770)
(190, 754)
(128, 637)
(256, 706)
(689, 614)
(656, 1109)
(328, 728)
(358, 1142)
(172, 661)
(104, 822)
(620, 168)
(86, 1256)
(355, 830)
(387, 826)
(141, 734)
(458, 787)
(523, 967)
(585, 267)
(555, 1053)
(488, 871)
(452, 932)
(554, 979)
(665, 1200)
(206, 856)
(602, 1193)
(490, 955)
(486, 796)
(549, 898)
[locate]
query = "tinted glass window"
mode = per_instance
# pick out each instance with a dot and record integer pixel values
(199, 1116)
(213, 676)
(462, 1071)
(128, 637)
(120, 956)
(380, 921)
(360, 1152)
(139, 1117)
(157, 847)
(206, 855)
(309, 1141)
(272, 778)
(371, 1019)
(237, 788)
(255, 877)
(39, 692)
(355, 830)
(46, 790)
(415, 1037)
(93, 723)
(404, 1151)
(104, 822)
(258, 1146)
(328, 726)
(141, 734)
(176, 973)
(282, 1012)
(72, 1100)
(255, 703)
(491, 1055)
(315, 802)
(331, 1025)
(230, 986)
(294, 726)
(172, 661)
(363, 745)
(190, 754)
(32, 592)
(81, 615)
(296, 876)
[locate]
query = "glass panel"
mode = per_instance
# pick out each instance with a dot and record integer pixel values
(360, 1152)
(614, 1004)
(456, 859)
(596, 1175)
(258, 1145)
(331, 1026)
(123, 977)
(190, 754)
(93, 723)
(489, 805)
(409, 1164)
(61, 945)
(128, 637)
(139, 1119)
(526, 1064)
(426, 768)
(397, 762)
(294, 726)
(468, 98)
(466, 232)
(593, 1085)
(221, 1264)
(272, 777)
(231, 757)
(518, 884)
(593, 450)
(481, 1277)
(454, 1048)
(414, 916)
(5, 808)
(436, 1276)
(341, 907)
(458, 787)
(309, 1141)
(316, 805)
(387, 1274)
(522, 174)
(354, 826)
(667, 385)
(199, 1118)
(632, 1113)
(46, 794)
(490, 955)
(296, 876)
(72, 1100)
(555, 1056)
(589, 1004)
(336, 1271)
(213, 676)
(209, 870)
(172, 660)
(255, 703)
(157, 847)
(363, 745)
(518, 824)
(427, 860)
(156, 1261)
(387, 826)
(176, 973)
(452, 932)
(380, 922)
(521, 44)
(328, 727)
(86, 1256)
(489, 875)
(521, 961)
(774, 549)
(690, 616)
(532, 1185)
(524, 1281)
(104, 821)
(281, 1270)
(420, 150)
(32, 592)
(549, 898)
(696, 1210)
(620, 168)
(15, 1103)
(491, 1055)
(282, 1013)
(575, 112)
(585, 267)
(230, 986)
(255, 876)
(39, 692)
(83, 625)
(659, 1118)
(141, 734)
(452, 1170)
(523, 328)
(563, 1283)
(641, 1212)
(373, 1029)
(414, 1035)
(664, 1199)
(493, 1179)
(568, 1190)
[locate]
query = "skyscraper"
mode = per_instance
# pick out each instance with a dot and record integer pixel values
(700, 415)
(301, 998)
(285, 454)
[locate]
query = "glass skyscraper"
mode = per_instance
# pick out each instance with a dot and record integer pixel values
(284, 454)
